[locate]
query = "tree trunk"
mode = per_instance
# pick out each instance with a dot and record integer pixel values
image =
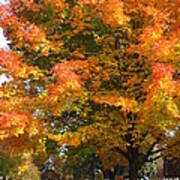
(133, 171)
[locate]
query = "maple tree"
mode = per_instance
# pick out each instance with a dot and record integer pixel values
(112, 63)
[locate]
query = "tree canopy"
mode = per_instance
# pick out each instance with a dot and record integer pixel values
(92, 73)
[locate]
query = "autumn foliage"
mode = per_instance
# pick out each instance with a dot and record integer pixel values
(113, 63)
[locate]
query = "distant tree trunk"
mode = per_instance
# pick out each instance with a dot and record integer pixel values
(93, 166)
(109, 174)
(76, 174)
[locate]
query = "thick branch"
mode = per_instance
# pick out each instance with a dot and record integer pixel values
(157, 151)
(155, 158)
(165, 148)
(145, 158)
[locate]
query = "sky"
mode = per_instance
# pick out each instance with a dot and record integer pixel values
(3, 43)
(3, 1)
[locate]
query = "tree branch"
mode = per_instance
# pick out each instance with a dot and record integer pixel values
(155, 158)
(145, 158)
(157, 151)
(165, 148)
(144, 136)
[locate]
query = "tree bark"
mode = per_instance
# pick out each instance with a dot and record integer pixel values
(133, 171)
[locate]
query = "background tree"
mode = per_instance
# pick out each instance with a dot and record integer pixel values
(101, 74)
